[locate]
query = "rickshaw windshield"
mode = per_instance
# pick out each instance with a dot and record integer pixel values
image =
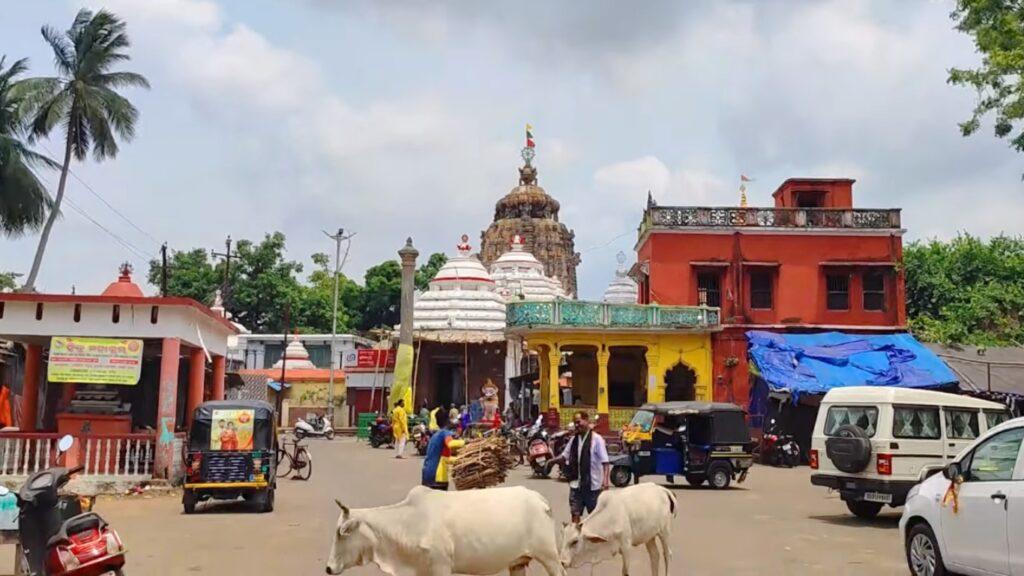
(232, 426)
(643, 420)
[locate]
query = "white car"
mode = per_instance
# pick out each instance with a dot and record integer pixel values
(985, 534)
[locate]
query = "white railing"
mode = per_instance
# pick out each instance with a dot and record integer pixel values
(114, 455)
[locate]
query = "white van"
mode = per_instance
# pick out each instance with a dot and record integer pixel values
(873, 444)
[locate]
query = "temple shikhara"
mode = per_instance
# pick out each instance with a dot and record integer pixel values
(531, 214)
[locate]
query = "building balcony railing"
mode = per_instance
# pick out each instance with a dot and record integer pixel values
(567, 314)
(732, 217)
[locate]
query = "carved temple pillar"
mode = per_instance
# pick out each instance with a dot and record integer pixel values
(655, 376)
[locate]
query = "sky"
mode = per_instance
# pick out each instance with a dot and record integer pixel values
(393, 119)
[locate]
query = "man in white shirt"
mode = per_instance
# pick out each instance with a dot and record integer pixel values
(586, 458)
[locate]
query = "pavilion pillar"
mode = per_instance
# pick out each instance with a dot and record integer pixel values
(655, 376)
(167, 407)
(196, 379)
(554, 391)
(30, 387)
(218, 377)
(603, 356)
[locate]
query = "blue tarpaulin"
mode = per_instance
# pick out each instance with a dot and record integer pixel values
(816, 363)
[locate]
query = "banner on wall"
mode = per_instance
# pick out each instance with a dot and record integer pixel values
(94, 360)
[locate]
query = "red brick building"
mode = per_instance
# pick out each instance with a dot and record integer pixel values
(812, 262)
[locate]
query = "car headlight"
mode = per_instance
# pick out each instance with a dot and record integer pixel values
(913, 491)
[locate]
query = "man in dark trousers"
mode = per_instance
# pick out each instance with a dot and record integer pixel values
(586, 458)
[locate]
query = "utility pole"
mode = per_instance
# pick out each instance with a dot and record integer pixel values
(226, 255)
(338, 263)
(163, 270)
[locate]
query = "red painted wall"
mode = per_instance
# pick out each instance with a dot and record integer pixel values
(799, 290)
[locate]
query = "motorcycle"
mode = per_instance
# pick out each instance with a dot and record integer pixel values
(60, 534)
(421, 437)
(316, 425)
(539, 452)
(380, 433)
(779, 449)
(558, 441)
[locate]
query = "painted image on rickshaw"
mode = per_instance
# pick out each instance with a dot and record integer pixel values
(232, 430)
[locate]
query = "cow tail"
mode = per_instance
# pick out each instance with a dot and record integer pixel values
(671, 502)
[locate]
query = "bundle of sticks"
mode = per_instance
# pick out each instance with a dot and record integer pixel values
(481, 463)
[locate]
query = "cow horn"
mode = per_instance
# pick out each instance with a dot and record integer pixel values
(344, 509)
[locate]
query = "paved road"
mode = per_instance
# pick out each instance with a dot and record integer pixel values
(775, 523)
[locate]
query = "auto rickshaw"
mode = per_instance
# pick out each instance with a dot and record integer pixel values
(701, 441)
(231, 452)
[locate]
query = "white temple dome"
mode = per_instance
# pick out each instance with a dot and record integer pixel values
(462, 303)
(520, 276)
(295, 356)
(623, 289)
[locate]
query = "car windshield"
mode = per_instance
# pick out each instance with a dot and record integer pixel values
(863, 417)
(643, 420)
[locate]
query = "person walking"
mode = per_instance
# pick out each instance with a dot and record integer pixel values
(400, 428)
(589, 467)
(439, 452)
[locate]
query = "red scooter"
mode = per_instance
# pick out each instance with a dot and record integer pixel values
(59, 534)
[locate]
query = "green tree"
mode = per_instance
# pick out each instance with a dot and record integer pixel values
(967, 290)
(83, 100)
(262, 283)
(382, 295)
(318, 299)
(190, 274)
(8, 282)
(997, 27)
(429, 269)
(23, 198)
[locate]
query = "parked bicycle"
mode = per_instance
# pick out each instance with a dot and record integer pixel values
(293, 457)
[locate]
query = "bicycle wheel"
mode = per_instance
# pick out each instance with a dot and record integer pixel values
(284, 463)
(303, 464)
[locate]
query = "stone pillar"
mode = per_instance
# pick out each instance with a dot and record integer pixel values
(554, 391)
(217, 387)
(401, 386)
(30, 387)
(513, 351)
(603, 356)
(167, 405)
(196, 380)
(655, 376)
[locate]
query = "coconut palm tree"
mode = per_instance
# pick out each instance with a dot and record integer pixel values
(23, 198)
(83, 99)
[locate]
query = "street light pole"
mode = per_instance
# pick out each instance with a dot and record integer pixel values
(334, 316)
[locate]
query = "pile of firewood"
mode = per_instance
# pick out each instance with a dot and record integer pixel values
(481, 463)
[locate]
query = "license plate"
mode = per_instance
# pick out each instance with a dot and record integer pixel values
(878, 497)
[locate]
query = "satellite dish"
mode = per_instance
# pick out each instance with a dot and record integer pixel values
(65, 443)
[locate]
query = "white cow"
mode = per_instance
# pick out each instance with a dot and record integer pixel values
(433, 533)
(623, 518)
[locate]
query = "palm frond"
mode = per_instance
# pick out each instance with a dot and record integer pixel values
(122, 80)
(63, 51)
(49, 113)
(24, 202)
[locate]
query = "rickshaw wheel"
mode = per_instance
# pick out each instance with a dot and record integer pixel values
(719, 475)
(621, 475)
(188, 501)
(264, 501)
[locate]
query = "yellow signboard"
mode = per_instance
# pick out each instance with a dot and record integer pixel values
(232, 429)
(94, 360)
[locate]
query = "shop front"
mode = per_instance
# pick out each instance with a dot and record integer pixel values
(612, 358)
(121, 372)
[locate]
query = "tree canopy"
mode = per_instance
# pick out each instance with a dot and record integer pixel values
(997, 27)
(263, 281)
(967, 290)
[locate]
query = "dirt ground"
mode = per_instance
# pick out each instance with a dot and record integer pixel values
(775, 523)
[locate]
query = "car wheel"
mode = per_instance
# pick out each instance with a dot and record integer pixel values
(695, 479)
(621, 475)
(865, 510)
(719, 475)
(923, 555)
(188, 501)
